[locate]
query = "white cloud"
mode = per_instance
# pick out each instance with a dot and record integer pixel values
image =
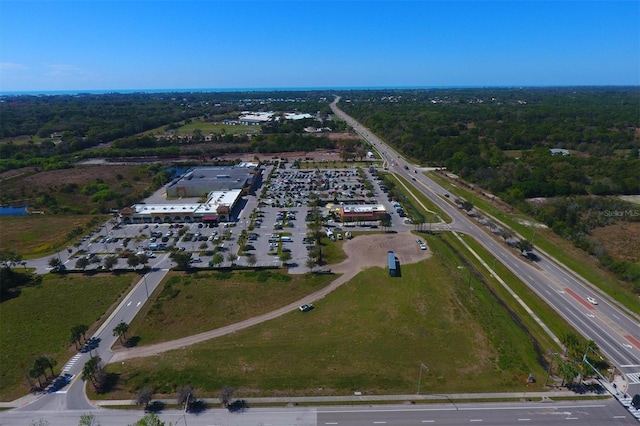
(55, 70)
(10, 66)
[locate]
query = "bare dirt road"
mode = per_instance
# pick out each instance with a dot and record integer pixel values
(362, 252)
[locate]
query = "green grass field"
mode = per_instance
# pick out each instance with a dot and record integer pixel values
(187, 304)
(39, 321)
(370, 335)
(208, 127)
(35, 236)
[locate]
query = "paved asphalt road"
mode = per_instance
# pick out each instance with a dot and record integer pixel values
(615, 329)
(587, 412)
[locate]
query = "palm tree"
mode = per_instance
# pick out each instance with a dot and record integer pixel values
(49, 362)
(35, 373)
(120, 330)
(570, 341)
(91, 369)
(568, 371)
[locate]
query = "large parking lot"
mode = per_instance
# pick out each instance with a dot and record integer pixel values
(274, 220)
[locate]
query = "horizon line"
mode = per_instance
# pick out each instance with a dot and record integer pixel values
(289, 89)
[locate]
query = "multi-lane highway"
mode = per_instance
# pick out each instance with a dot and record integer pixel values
(586, 412)
(615, 329)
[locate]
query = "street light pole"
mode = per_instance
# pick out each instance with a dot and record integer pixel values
(420, 376)
(145, 285)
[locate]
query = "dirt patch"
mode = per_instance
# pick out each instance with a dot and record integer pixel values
(371, 250)
(621, 240)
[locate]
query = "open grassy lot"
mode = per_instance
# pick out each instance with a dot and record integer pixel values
(187, 304)
(370, 335)
(39, 321)
(207, 127)
(39, 235)
(500, 295)
(219, 128)
(553, 244)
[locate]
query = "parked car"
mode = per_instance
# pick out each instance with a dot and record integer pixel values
(306, 307)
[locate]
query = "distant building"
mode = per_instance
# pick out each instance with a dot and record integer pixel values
(559, 151)
(296, 116)
(361, 212)
(255, 117)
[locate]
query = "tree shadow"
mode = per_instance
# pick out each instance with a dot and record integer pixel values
(107, 382)
(238, 406)
(196, 407)
(155, 407)
(132, 341)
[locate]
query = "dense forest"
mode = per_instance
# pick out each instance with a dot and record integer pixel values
(502, 138)
(80, 122)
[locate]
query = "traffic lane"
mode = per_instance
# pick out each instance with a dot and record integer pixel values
(544, 414)
(582, 315)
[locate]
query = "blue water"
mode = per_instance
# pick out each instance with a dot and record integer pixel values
(13, 211)
(212, 90)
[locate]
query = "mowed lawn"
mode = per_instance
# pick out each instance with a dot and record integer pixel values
(370, 335)
(187, 304)
(39, 321)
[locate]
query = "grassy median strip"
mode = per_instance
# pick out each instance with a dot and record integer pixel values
(39, 320)
(370, 335)
(557, 247)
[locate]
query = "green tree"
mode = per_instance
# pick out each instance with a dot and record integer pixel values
(182, 259)
(568, 371)
(150, 419)
(133, 261)
(217, 259)
(82, 263)
(285, 256)
(109, 262)
(91, 369)
(54, 262)
(571, 343)
(88, 420)
(9, 258)
(120, 330)
(524, 246)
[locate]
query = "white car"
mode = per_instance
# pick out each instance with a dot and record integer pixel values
(592, 300)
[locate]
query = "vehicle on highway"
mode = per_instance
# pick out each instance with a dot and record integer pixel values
(306, 307)
(592, 300)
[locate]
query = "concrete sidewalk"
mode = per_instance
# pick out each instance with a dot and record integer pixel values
(393, 399)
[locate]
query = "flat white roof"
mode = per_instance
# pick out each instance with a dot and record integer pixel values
(216, 199)
(363, 208)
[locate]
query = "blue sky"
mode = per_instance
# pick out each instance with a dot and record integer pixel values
(119, 45)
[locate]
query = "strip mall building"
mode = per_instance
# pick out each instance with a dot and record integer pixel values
(220, 187)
